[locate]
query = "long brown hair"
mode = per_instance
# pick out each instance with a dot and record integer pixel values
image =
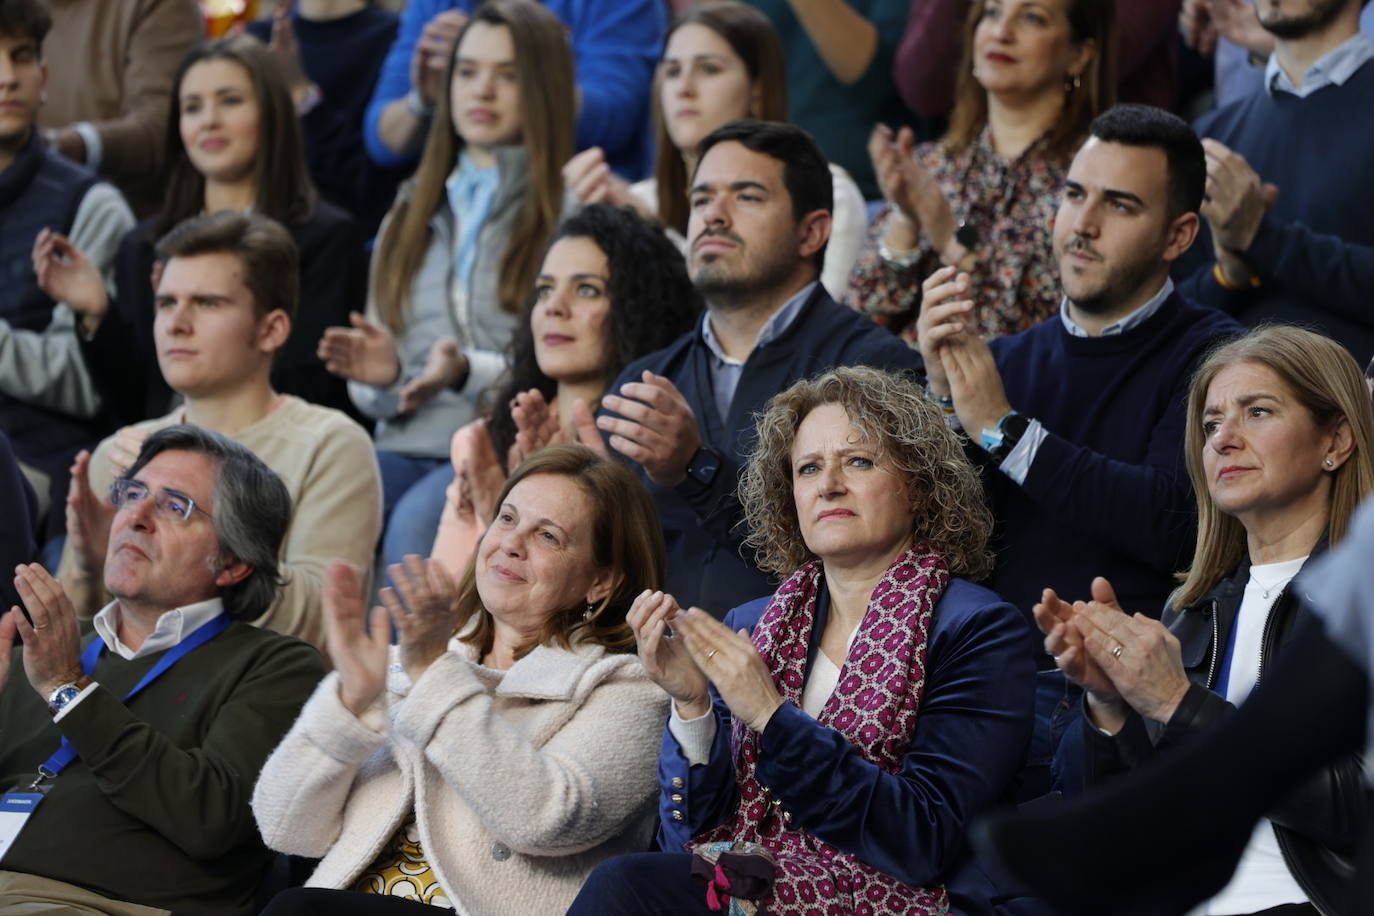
(752, 37)
(1324, 378)
(280, 175)
(627, 538)
(1093, 93)
(544, 69)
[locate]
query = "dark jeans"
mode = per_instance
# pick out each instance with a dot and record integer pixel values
(315, 901)
(644, 884)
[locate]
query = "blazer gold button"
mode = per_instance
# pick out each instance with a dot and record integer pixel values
(677, 815)
(500, 852)
(677, 799)
(677, 782)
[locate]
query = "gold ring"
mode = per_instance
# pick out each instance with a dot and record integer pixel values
(711, 653)
(1116, 651)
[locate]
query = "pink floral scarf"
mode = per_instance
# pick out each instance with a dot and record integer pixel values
(875, 706)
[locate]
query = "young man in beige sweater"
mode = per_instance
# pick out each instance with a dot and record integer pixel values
(226, 295)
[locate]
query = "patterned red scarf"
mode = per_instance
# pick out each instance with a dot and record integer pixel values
(875, 705)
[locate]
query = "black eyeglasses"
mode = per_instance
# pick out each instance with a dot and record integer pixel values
(170, 504)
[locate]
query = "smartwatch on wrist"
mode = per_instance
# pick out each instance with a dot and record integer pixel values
(704, 466)
(65, 695)
(1001, 439)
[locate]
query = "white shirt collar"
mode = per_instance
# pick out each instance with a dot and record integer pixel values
(1133, 320)
(172, 627)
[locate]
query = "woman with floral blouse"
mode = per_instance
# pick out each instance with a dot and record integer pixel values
(1035, 73)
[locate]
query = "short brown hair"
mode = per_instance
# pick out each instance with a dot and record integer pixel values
(265, 249)
(1324, 378)
(626, 537)
(909, 433)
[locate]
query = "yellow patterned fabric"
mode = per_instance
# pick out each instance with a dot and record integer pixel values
(401, 870)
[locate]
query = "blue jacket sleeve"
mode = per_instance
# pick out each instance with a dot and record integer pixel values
(394, 80)
(616, 44)
(971, 737)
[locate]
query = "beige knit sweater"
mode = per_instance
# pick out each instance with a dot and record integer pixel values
(329, 467)
(520, 781)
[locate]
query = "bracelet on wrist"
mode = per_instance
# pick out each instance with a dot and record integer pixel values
(1225, 281)
(417, 105)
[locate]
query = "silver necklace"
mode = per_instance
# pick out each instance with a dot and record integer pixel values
(1266, 589)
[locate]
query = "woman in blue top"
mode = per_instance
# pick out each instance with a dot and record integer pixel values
(457, 256)
(851, 723)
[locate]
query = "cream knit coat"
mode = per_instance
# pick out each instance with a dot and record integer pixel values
(521, 780)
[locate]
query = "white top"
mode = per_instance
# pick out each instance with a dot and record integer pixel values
(1262, 879)
(848, 227)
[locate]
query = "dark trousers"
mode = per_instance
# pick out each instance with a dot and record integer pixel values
(644, 884)
(317, 901)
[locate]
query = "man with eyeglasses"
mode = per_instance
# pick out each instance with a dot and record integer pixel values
(226, 295)
(130, 755)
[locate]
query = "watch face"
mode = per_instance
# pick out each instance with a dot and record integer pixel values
(64, 696)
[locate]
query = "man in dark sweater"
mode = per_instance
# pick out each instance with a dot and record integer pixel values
(1289, 232)
(134, 751)
(1080, 420)
(761, 204)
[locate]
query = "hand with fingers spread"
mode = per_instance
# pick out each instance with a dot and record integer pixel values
(1141, 657)
(536, 426)
(445, 366)
(655, 427)
(423, 600)
(65, 273)
(946, 313)
(1236, 199)
(731, 662)
(364, 352)
(88, 521)
(664, 654)
(1054, 616)
(358, 642)
(980, 398)
(52, 638)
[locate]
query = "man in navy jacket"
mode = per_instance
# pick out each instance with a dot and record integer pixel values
(761, 202)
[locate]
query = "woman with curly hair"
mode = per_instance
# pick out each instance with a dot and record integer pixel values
(612, 288)
(828, 744)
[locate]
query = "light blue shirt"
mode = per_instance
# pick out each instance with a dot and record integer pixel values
(471, 192)
(1331, 69)
(726, 372)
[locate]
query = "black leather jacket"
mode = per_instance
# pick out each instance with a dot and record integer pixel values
(1320, 823)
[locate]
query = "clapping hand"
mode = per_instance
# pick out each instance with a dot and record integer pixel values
(656, 427)
(65, 273)
(1054, 616)
(52, 638)
(429, 62)
(358, 643)
(445, 366)
(423, 601)
(591, 181)
(537, 427)
(946, 312)
(364, 352)
(731, 662)
(88, 521)
(665, 656)
(1236, 199)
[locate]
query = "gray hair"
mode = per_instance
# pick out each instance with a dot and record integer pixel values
(252, 512)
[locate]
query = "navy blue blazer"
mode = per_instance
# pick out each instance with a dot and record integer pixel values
(971, 739)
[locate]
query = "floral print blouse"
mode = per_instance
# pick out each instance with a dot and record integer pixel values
(1011, 204)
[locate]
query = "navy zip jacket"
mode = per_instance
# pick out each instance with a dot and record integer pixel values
(707, 565)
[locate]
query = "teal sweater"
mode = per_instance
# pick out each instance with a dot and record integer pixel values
(155, 809)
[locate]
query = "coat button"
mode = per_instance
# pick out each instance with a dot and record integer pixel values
(677, 799)
(500, 852)
(677, 782)
(677, 815)
(787, 817)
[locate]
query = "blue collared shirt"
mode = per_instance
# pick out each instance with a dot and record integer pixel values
(471, 191)
(726, 372)
(1331, 69)
(1135, 319)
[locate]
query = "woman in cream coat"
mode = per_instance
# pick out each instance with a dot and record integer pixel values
(489, 772)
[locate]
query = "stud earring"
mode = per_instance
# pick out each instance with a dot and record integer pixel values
(587, 614)
(1330, 463)
(1071, 83)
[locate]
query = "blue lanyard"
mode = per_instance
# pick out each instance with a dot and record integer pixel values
(203, 634)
